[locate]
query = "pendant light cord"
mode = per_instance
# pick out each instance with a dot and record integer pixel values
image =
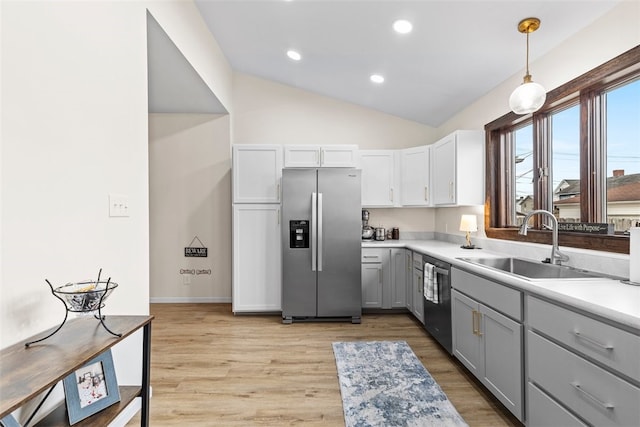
(527, 52)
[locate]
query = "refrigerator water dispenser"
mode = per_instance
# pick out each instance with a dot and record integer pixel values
(298, 234)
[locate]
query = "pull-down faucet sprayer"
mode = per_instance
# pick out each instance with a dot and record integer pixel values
(557, 257)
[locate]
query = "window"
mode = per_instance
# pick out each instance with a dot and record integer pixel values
(578, 157)
(523, 173)
(623, 156)
(565, 164)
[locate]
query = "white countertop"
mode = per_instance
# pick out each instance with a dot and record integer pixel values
(604, 297)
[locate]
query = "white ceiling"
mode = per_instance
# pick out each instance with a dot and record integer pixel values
(174, 86)
(458, 51)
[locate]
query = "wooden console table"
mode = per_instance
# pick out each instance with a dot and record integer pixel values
(27, 372)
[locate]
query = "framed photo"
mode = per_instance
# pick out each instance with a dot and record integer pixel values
(9, 421)
(91, 388)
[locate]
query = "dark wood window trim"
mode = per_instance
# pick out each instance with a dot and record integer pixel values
(585, 88)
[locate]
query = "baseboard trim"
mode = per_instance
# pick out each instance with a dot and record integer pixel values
(168, 300)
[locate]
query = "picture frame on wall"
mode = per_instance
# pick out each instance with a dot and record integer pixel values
(91, 388)
(9, 421)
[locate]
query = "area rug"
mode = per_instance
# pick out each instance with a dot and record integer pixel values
(384, 384)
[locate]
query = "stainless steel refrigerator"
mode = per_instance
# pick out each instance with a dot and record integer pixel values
(321, 241)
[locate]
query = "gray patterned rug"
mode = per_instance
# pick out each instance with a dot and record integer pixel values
(384, 384)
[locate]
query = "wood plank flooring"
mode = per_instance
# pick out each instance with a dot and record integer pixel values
(211, 368)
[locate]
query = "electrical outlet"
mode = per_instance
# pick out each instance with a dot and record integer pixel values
(118, 205)
(186, 279)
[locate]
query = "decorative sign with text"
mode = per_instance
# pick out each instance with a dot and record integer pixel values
(586, 227)
(195, 251)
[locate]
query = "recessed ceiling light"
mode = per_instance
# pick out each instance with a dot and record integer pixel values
(376, 78)
(294, 55)
(402, 26)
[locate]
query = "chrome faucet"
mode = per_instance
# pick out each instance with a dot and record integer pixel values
(557, 257)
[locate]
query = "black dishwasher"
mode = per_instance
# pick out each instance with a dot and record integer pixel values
(437, 300)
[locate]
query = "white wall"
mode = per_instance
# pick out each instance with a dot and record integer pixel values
(75, 129)
(406, 219)
(266, 112)
(608, 37)
(189, 195)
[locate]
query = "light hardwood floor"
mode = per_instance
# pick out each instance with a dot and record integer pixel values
(211, 368)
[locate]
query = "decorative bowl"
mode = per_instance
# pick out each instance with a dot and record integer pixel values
(85, 296)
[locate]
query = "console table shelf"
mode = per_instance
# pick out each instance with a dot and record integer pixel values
(27, 372)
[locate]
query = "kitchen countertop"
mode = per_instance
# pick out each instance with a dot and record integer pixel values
(608, 298)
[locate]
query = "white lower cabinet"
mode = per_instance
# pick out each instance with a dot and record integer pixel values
(487, 342)
(257, 258)
(588, 368)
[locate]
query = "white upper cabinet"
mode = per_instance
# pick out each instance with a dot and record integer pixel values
(257, 170)
(313, 156)
(458, 169)
(414, 183)
(379, 178)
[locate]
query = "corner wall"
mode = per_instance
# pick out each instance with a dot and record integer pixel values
(74, 130)
(189, 196)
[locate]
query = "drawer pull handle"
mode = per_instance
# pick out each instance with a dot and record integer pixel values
(608, 406)
(592, 341)
(370, 256)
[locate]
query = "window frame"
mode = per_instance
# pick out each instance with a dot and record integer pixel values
(588, 90)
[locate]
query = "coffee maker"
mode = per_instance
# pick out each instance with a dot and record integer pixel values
(367, 230)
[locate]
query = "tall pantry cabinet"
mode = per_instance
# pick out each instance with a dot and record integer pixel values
(257, 263)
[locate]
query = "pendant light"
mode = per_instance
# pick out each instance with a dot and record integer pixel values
(529, 96)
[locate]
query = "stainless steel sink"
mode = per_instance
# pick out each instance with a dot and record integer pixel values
(533, 270)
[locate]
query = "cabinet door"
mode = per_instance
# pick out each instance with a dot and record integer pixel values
(257, 260)
(301, 156)
(418, 296)
(414, 183)
(257, 170)
(502, 353)
(378, 178)
(372, 285)
(338, 156)
(398, 278)
(466, 341)
(409, 292)
(444, 171)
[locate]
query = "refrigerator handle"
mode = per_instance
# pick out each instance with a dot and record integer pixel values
(314, 233)
(320, 232)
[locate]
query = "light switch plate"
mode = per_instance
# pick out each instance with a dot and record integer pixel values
(118, 205)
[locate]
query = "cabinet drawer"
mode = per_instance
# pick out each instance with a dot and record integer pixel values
(417, 260)
(495, 295)
(597, 395)
(618, 349)
(374, 255)
(545, 412)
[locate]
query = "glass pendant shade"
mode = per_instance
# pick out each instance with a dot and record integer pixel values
(527, 98)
